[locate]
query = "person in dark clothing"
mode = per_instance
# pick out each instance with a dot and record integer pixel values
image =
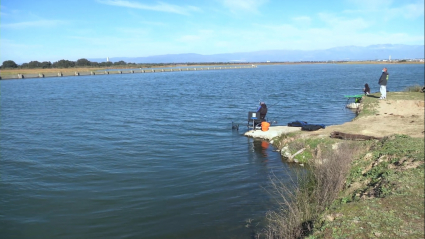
(262, 109)
(383, 80)
(366, 89)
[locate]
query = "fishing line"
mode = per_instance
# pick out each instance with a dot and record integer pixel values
(271, 105)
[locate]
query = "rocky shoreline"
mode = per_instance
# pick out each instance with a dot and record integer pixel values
(367, 183)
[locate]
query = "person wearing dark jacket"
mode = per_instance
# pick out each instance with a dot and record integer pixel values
(383, 80)
(366, 89)
(262, 109)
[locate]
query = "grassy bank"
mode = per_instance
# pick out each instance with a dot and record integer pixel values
(354, 189)
(383, 194)
(9, 73)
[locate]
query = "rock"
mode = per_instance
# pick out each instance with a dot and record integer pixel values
(285, 153)
(367, 168)
(368, 157)
(329, 218)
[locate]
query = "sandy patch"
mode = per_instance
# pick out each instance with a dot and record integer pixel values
(393, 117)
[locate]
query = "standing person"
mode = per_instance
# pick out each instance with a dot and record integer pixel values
(366, 89)
(383, 83)
(262, 109)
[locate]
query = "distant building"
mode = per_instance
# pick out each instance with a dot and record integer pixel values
(107, 59)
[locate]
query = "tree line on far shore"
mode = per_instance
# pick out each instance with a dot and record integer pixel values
(62, 64)
(9, 64)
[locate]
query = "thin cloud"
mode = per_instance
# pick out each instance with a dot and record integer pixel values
(2, 13)
(32, 24)
(159, 7)
(342, 23)
(9, 44)
(191, 38)
(98, 41)
(201, 35)
(367, 7)
(411, 11)
(134, 32)
(243, 5)
(150, 23)
(371, 5)
(303, 20)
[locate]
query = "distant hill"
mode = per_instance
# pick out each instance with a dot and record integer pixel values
(352, 53)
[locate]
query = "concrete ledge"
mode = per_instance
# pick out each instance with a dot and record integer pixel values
(274, 131)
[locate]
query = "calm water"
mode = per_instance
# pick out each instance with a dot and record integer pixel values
(153, 155)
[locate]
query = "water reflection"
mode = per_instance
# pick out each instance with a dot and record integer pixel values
(259, 149)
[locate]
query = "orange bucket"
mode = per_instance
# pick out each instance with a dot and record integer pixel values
(265, 126)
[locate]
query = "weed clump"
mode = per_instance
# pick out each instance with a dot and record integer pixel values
(414, 88)
(389, 156)
(383, 195)
(301, 203)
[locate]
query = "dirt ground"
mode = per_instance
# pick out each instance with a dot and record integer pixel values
(393, 117)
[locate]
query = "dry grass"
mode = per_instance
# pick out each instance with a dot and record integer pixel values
(301, 203)
(414, 88)
(9, 73)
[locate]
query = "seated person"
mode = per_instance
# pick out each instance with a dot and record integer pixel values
(262, 109)
(366, 89)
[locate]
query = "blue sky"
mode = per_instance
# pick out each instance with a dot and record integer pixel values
(51, 30)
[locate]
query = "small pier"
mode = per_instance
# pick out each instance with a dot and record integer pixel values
(274, 131)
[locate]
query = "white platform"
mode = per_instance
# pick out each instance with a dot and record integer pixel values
(274, 131)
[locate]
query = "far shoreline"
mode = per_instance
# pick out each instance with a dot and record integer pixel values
(12, 73)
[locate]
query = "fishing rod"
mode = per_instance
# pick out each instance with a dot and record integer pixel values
(271, 105)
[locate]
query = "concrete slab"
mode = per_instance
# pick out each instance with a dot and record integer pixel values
(273, 131)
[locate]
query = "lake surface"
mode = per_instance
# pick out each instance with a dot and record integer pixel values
(154, 155)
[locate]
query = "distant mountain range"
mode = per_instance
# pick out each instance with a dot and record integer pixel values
(350, 53)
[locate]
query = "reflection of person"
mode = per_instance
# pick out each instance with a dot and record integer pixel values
(366, 89)
(383, 80)
(262, 109)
